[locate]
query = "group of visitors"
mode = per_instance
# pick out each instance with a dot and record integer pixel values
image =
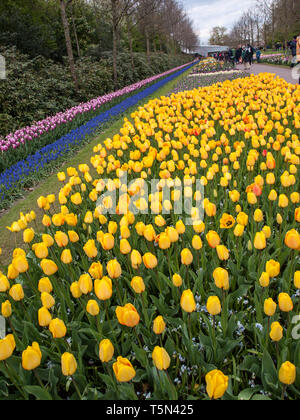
(244, 55)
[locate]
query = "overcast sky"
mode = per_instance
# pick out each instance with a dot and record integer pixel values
(209, 13)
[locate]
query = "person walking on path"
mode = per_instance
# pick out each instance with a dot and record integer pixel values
(258, 55)
(293, 47)
(238, 55)
(248, 56)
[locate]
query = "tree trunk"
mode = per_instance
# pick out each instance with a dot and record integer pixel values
(75, 33)
(130, 43)
(68, 42)
(147, 43)
(115, 41)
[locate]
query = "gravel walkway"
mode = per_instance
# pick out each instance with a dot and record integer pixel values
(282, 72)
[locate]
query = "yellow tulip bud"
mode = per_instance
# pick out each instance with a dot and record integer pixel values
(136, 259)
(106, 351)
(197, 242)
(47, 300)
(264, 280)
(28, 235)
(297, 279)
(138, 285)
(285, 302)
(260, 241)
(66, 256)
(90, 249)
(49, 267)
(292, 239)
(107, 241)
(114, 269)
(216, 384)
(187, 301)
(164, 241)
(127, 315)
(214, 305)
(20, 264)
(44, 317)
(221, 278)
(7, 347)
(276, 332)
(17, 292)
(103, 288)
(150, 260)
(222, 252)
(75, 290)
(273, 268)
(4, 284)
(161, 358)
(85, 284)
(269, 307)
(6, 310)
(92, 308)
(68, 364)
(31, 357)
(186, 257)
(177, 280)
(159, 325)
(123, 370)
(57, 328)
(125, 247)
(287, 373)
(213, 239)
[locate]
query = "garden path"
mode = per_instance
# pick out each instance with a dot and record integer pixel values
(282, 72)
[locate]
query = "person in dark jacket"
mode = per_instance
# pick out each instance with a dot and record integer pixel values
(248, 56)
(293, 47)
(238, 55)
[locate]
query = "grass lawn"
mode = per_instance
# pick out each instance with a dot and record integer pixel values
(9, 240)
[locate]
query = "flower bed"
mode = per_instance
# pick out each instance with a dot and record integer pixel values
(279, 59)
(201, 80)
(27, 140)
(156, 300)
(16, 175)
(210, 65)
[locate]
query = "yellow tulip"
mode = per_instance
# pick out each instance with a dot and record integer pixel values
(276, 332)
(44, 317)
(7, 347)
(150, 260)
(214, 305)
(161, 358)
(57, 328)
(114, 269)
(49, 267)
(123, 370)
(6, 309)
(138, 284)
(17, 292)
(103, 288)
(187, 301)
(106, 351)
(216, 384)
(287, 373)
(221, 278)
(92, 308)
(128, 315)
(68, 364)
(269, 307)
(159, 325)
(31, 357)
(285, 302)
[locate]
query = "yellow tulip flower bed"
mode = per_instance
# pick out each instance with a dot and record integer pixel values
(123, 296)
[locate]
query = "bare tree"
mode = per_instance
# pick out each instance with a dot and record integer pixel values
(63, 6)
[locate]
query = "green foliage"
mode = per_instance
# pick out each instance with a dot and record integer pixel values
(38, 87)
